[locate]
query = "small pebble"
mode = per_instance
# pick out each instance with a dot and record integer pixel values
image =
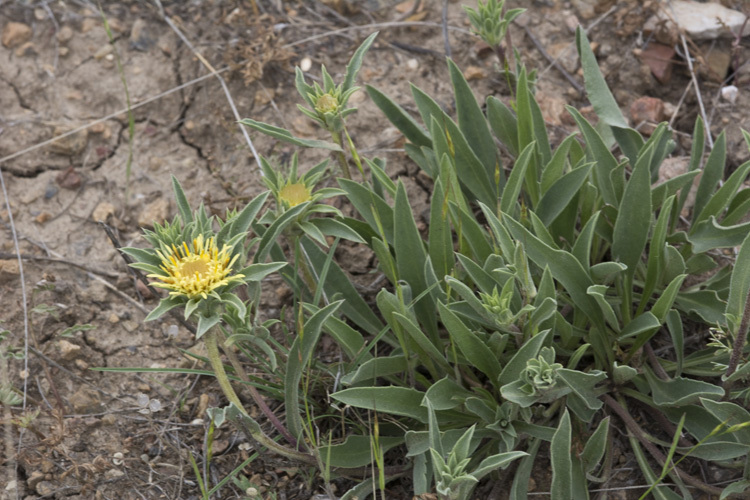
(412, 64)
(305, 64)
(729, 93)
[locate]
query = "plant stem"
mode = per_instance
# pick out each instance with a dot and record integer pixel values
(212, 349)
(340, 156)
(633, 427)
(270, 415)
(738, 346)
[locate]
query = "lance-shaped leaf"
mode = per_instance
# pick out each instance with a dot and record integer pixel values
(286, 136)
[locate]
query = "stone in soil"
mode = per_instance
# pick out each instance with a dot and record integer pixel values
(659, 60)
(70, 145)
(156, 211)
(699, 21)
(15, 34)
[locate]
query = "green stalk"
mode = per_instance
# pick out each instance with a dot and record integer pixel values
(340, 156)
(255, 432)
(212, 349)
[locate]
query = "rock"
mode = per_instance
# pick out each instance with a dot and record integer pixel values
(729, 93)
(139, 36)
(700, 21)
(103, 51)
(717, 61)
(88, 24)
(586, 8)
(68, 350)
(69, 178)
(42, 217)
(15, 34)
(659, 60)
(156, 211)
(552, 107)
(9, 270)
(70, 145)
(645, 112)
(103, 211)
(566, 55)
(35, 479)
(27, 49)
(45, 488)
(65, 34)
(85, 400)
(673, 166)
(474, 73)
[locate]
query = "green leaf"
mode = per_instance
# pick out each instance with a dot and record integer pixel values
(474, 349)
(333, 227)
(704, 303)
(350, 340)
(696, 156)
(730, 414)
(373, 208)
(515, 181)
(646, 322)
(561, 460)
(739, 285)
(205, 323)
(582, 384)
(582, 247)
(402, 401)
(712, 174)
(527, 136)
(165, 305)
(735, 488)
(256, 272)
(68, 332)
(598, 152)
(355, 451)
(494, 462)
(564, 267)
(356, 62)
(603, 101)
(503, 123)
(182, 204)
(664, 303)
(337, 283)
(440, 238)
(298, 360)
(680, 391)
(557, 197)
(446, 394)
(674, 325)
(596, 445)
(241, 222)
(371, 370)
(410, 254)
(720, 200)
(634, 216)
(274, 230)
(709, 235)
(656, 258)
(529, 350)
(143, 256)
(398, 116)
(286, 136)
(472, 122)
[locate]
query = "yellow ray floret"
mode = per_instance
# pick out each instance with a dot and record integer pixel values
(197, 271)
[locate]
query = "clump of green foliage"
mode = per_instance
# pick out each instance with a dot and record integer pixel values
(526, 322)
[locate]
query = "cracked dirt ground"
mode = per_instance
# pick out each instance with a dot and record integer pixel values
(93, 436)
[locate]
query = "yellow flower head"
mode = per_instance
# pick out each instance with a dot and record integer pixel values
(327, 104)
(295, 193)
(197, 271)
